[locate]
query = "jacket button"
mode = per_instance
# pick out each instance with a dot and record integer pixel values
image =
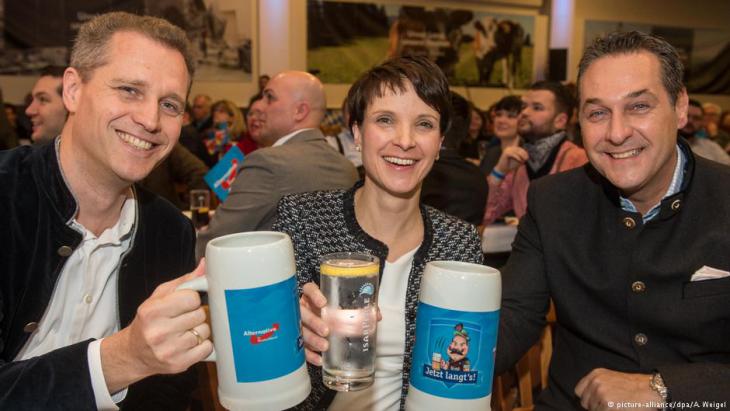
(641, 339)
(638, 287)
(629, 223)
(65, 251)
(30, 327)
(676, 204)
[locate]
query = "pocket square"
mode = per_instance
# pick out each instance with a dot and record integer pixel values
(709, 273)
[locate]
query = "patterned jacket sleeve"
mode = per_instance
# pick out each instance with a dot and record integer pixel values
(474, 247)
(289, 221)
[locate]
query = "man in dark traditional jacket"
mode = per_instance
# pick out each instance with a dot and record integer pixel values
(89, 311)
(631, 248)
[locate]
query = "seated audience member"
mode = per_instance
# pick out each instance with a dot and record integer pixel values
(263, 81)
(454, 185)
(88, 308)
(695, 133)
(398, 113)
(11, 113)
(712, 124)
(631, 248)
(469, 148)
(8, 137)
(254, 122)
(725, 126)
(202, 119)
(547, 107)
(346, 142)
(181, 167)
(47, 112)
(191, 139)
(228, 129)
(297, 158)
(506, 114)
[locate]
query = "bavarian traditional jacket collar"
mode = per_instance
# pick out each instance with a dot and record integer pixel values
(669, 205)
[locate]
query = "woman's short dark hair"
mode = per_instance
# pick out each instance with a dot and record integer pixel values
(426, 77)
(510, 104)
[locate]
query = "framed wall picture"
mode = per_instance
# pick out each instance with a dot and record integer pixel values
(40, 34)
(479, 47)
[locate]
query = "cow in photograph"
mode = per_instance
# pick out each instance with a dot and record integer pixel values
(498, 41)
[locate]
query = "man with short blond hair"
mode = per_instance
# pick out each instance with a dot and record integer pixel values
(89, 312)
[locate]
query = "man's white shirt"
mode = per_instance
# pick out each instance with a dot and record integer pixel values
(84, 302)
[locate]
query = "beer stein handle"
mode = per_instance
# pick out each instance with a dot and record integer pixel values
(199, 284)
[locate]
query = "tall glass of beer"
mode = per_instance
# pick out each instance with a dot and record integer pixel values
(349, 281)
(200, 207)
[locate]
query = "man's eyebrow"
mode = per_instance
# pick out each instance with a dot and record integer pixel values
(143, 84)
(633, 94)
(638, 93)
(131, 82)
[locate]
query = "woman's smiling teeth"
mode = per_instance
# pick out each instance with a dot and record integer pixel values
(626, 154)
(134, 141)
(400, 161)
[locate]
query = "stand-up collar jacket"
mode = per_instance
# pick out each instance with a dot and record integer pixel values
(36, 206)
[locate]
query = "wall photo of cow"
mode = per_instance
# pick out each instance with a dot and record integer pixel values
(498, 41)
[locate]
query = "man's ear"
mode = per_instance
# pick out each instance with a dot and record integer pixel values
(72, 85)
(560, 122)
(680, 108)
(302, 110)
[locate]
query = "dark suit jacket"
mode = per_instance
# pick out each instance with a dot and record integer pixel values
(304, 163)
(622, 291)
(35, 206)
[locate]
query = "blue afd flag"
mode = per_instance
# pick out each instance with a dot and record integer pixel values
(220, 177)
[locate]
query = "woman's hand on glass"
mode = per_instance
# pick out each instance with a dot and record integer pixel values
(314, 329)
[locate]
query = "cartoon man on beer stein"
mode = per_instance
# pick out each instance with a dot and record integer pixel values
(458, 350)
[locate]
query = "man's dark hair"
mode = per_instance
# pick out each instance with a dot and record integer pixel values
(461, 110)
(635, 42)
(55, 72)
(564, 101)
(426, 77)
(510, 104)
(693, 102)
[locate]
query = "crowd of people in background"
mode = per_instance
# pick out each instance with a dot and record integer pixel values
(497, 132)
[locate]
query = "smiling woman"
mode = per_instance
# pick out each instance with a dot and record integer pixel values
(399, 112)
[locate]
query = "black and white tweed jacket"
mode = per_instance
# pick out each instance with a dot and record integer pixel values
(323, 222)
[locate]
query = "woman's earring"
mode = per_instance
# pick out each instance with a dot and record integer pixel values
(357, 148)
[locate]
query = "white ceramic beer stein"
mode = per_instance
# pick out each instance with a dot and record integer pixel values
(456, 336)
(254, 308)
